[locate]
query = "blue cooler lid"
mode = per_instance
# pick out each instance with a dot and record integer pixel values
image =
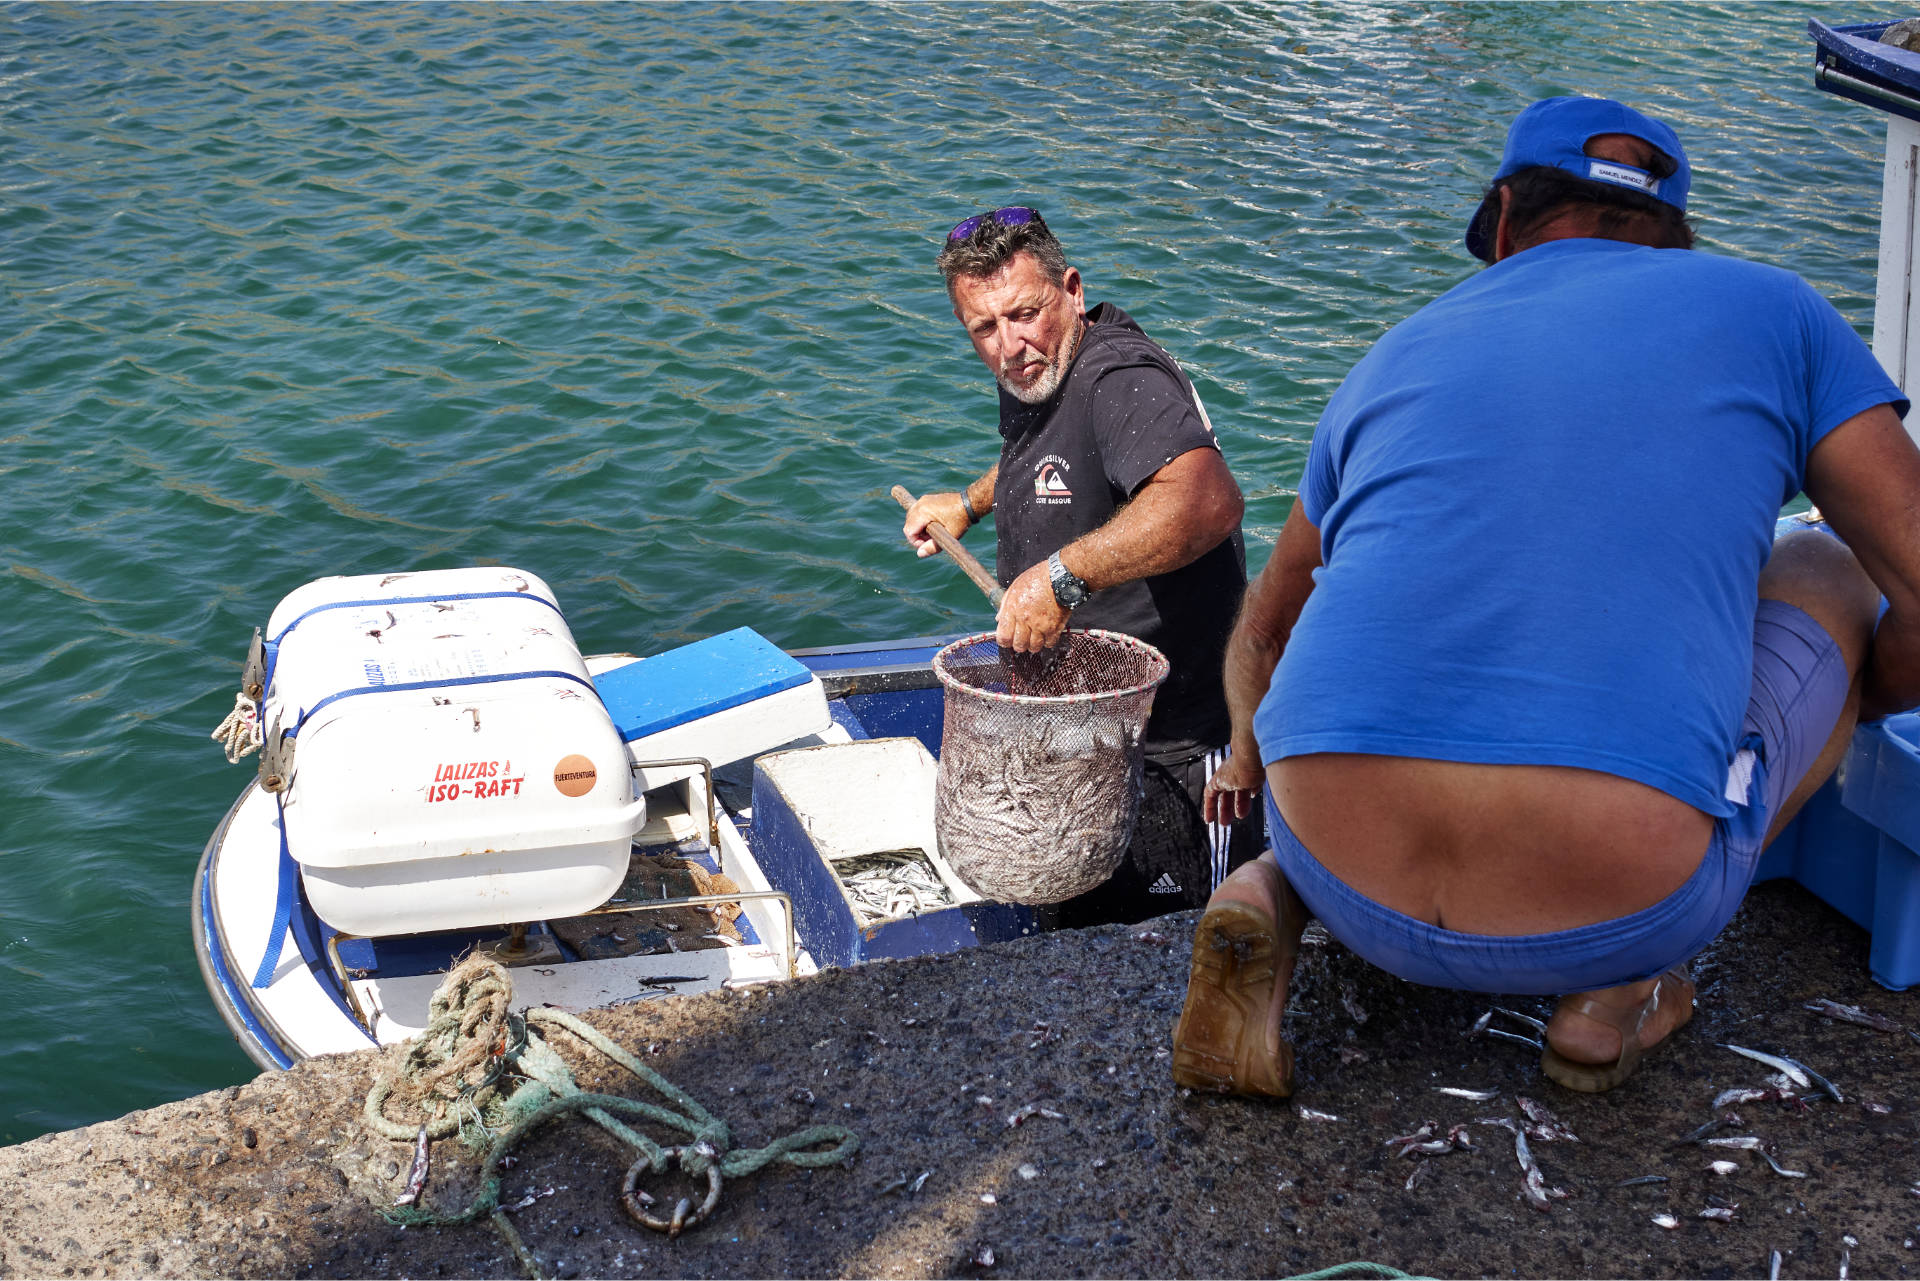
(696, 680)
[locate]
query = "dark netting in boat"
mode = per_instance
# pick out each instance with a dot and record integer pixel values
(1040, 779)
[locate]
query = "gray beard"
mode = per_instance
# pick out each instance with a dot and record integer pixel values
(1048, 382)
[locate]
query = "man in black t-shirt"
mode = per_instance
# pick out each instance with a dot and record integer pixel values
(1115, 509)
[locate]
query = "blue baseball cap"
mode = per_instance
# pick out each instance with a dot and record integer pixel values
(1555, 131)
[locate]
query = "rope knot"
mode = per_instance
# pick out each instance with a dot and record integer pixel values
(701, 1155)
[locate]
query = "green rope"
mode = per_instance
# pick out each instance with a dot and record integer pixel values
(1357, 1269)
(467, 1023)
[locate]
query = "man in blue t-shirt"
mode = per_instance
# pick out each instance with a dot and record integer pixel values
(1527, 681)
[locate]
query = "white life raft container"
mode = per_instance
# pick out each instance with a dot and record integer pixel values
(452, 765)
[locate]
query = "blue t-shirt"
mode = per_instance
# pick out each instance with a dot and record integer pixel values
(1544, 501)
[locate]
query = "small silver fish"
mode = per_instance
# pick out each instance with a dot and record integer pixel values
(1518, 1017)
(1666, 1221)
(1527, 1041)
(1642, 1180)
(531, 1196)
(1719, 1213)
(1773, 1266)
(1797, 1072)
(1419, 1173)
(1724, 1121)
(1744, 1094)
(1791, 1069)
(1779, 1169)
(1533, 1184)
(1830, 1009)
(1739, 1142)
(1545, 1126)
(1425, 1132)
(1020, 1116)
(417, 1175)
(1722, 1168)
(1314, 1114)
(1478, 1096)
(1479, 1025)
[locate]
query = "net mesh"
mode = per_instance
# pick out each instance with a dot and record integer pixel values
(1040, 776)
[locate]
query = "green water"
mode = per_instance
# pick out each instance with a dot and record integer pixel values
(640, 299)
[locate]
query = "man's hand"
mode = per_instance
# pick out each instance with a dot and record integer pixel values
(950, 509)
(1030, 618)
(1233, 790)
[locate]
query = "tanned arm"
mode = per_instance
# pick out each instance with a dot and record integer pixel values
(1183, 511)
(949, 509)
(1267, 615)
(1865, 477)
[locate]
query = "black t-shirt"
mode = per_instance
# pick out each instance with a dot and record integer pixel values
(1124, 411)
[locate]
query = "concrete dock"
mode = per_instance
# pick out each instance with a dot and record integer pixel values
(927, 1060)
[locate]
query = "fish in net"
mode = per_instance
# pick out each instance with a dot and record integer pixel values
(1039, 789)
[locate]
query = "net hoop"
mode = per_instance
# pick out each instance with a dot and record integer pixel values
(1158, 668)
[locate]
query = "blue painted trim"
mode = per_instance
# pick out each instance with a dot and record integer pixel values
(235, 995)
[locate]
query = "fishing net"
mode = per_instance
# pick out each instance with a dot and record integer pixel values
(1038, 789)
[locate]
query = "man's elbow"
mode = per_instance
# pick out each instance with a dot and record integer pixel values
(1224, 507)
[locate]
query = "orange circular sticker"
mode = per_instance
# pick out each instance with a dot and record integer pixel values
(574, 775)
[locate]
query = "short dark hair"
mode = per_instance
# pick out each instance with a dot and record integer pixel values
(993, 244)
(1543, 192)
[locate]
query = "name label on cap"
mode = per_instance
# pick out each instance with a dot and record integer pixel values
(1623, 176)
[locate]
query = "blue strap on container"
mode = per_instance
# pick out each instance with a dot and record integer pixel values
(408, 600)
(435, 684)
(282, 904)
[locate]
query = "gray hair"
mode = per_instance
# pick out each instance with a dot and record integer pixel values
(990, 246)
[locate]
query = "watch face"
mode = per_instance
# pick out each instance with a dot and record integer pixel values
(1067, 589)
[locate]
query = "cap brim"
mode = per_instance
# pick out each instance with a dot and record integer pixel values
(1476, 242)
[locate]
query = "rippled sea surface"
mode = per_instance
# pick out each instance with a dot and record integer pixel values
(639, 298)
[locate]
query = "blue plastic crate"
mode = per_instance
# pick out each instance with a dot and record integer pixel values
(1854, 846)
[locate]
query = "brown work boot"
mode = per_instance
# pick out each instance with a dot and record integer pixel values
(1228, 1038)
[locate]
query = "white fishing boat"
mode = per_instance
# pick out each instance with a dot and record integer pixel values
(590, 822)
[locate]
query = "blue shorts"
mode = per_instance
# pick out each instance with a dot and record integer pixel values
(1799, 689)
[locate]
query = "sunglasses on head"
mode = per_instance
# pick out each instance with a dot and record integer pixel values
(1011, 216)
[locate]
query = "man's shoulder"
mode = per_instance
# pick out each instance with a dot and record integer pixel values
(1114, 340)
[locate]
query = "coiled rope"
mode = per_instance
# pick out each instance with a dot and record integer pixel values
(493, 1077)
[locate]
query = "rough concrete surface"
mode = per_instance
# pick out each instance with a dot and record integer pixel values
(928, 1058)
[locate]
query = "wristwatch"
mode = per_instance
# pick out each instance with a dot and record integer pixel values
(1068, 589)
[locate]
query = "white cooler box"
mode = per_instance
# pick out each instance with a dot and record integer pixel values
(453, 767)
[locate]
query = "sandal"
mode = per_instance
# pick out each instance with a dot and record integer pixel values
(1596, 1078)
(1220, 1043)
